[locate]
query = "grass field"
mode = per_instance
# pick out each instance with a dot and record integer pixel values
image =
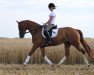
(44, 69)
(14, 51)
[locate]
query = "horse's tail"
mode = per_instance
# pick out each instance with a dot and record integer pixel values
(84, 43)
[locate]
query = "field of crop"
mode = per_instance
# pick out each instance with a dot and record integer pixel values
(44, 69)
(14, 51)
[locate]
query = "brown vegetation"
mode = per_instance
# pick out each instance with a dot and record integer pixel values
(44, 69)
(15, 51)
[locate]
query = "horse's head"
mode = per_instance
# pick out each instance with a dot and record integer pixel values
(22, 29)
(27, 25)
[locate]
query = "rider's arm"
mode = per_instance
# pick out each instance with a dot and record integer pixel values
(50, 19)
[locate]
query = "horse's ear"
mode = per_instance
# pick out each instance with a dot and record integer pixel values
(17, 21)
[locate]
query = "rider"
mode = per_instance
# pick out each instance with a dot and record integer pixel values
(51, 21)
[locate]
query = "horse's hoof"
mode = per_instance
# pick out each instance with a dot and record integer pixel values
(58, 65)
(24, 64)
(88, 66)
(52, 65)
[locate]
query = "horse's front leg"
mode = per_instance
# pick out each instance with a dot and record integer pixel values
(45, 57)
(30, 53)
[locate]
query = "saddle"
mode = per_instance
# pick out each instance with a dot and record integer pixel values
(53, 32)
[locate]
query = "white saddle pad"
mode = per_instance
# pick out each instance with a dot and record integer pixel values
(54, 33)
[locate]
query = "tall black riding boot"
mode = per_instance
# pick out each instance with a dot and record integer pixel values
(48, 38)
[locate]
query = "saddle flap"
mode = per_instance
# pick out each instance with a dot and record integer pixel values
(53, 32)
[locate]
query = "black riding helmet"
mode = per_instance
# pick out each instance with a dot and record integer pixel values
(51, 5)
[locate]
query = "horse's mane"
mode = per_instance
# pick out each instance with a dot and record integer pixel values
(29, 21)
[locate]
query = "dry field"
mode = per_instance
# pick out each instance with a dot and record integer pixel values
(14, 51)
(44, 69)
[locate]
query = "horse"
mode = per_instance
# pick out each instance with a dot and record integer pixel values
(66, 35)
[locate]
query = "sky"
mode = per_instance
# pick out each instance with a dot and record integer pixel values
(78, 14)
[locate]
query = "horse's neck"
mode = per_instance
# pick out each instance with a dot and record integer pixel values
(38, 26)
(35, 28)
(35, 25)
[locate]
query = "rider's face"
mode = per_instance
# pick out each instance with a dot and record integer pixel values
(52, 8)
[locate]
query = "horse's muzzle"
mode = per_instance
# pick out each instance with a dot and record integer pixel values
(21, 35)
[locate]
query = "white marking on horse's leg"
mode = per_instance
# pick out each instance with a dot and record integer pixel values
(62, 60)
(48, 61)
(85, 59)
(27, 60)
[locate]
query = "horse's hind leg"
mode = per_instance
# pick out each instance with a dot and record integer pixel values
(78, 46)
(67, 46)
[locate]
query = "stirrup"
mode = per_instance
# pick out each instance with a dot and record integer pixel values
(49, 42)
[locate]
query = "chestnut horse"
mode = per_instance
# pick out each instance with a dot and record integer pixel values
(67, 35)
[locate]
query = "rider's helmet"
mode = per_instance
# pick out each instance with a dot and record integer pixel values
(51, 5)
